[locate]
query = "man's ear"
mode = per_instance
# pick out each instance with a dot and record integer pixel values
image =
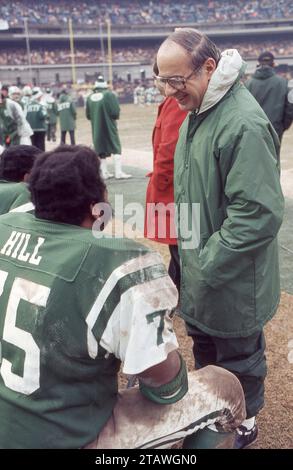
(210, 66)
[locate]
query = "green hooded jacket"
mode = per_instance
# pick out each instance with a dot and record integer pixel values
(271, 92)
(52, 110)
(226, 161)
(9, 119)
(102, 109)
(36, 116)
(67, 113)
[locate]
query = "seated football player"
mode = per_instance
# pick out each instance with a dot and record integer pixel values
(75, 305)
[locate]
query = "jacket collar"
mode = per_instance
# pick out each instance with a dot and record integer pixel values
(229, 70)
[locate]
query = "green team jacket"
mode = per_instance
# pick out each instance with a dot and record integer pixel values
(102, 109)
(226, 161)
(271, 92)
(36, 116)
(8, 125)
(52, 111)
(13, 195)
(67, 113)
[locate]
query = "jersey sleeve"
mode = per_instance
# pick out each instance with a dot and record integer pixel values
(139, 331)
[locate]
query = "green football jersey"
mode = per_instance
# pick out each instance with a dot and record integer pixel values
(73, 307)
(14, 196)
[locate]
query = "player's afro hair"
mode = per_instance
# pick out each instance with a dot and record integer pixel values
(64, 182)
(16, 161)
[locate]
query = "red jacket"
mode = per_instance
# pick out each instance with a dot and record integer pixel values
(160, 188)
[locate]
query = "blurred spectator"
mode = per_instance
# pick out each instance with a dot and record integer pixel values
(14, 128)
(36, 116)
(26, 97)
(103, 110)
(52, 113)
(272, 93)
(67, 115)
(14, 94)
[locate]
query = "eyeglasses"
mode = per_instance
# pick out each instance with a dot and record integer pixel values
(177, 82)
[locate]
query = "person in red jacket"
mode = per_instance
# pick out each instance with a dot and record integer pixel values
(160, 186)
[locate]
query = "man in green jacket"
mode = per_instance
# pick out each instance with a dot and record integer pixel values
(36, 116)
(15, 165)
(102, 109)
(52, 112)
(14, 128)
(67, 115)
(225, 165)
(272, 93)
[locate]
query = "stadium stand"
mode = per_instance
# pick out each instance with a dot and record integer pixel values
(138, 27)
(145, 54)
(125, 12)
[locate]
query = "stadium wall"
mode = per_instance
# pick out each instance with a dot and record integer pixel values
(45, 74)
(45, 37)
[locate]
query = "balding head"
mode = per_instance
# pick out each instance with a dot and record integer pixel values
(196, 45)
(189, 57)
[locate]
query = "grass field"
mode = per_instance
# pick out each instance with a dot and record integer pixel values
(275, 421)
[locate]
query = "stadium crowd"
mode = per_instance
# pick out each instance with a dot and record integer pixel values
(87, 55)
(84, 55)
(125, 12)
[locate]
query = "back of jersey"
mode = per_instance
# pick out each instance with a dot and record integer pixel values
(71, 309)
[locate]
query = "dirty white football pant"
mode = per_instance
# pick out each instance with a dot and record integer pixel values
(214, 396)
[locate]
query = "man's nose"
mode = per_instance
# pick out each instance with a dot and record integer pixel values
(169, 90)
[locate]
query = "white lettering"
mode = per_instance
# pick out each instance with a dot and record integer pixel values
(9, 245)
(14, 254)
(32, 108)
(18, 241)
(105, 460)
(22, 255)
(34, 259)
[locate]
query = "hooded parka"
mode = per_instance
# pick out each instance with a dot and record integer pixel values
(271, 92)
(226, 161)
(67, 113)
(102, 109)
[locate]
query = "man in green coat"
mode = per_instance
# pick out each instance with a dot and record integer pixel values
(14, 128)
(36, 116)
(52, 112)
(226, 166)
(67, 115)
(272, 93)
(102, 109)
